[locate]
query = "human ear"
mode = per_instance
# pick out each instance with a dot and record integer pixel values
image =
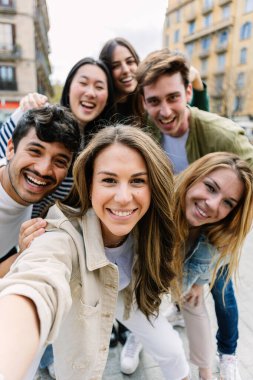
(10, 150)
(189, 92)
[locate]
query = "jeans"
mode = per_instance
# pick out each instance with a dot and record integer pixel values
(47, 358)
(226, 314)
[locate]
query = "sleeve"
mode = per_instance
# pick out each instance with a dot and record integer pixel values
(42, 273)
(7, 129)
(200, 99)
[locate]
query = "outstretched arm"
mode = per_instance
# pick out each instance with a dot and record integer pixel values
(20, 336)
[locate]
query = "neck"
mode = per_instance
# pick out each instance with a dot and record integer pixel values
(110, 244)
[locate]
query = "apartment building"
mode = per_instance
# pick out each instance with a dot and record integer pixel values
(24, 50)
(217, 36)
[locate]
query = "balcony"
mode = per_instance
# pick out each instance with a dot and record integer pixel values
(204, 53)
(207, 9)
(223, 2)
(221, 47)
(11, 54)
(190, 14)
(206, 31)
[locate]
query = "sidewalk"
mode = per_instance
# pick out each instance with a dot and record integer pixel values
(148, 369)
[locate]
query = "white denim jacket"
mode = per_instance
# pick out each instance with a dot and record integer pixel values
(75, 288)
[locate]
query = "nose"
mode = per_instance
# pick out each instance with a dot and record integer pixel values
(123, 194)
(90, 91)
(124, 67)
(44, 167)
(165, 110)
(213, 204)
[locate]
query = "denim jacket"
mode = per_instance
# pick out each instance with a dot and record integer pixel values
(199, 264)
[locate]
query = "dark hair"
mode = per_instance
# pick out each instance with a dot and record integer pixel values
(109, 108)
(52, 123)
(127, 112)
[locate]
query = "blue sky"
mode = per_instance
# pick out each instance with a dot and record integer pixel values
(79, 28)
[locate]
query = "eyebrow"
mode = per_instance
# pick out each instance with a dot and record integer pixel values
(218, 187)
(115, 175)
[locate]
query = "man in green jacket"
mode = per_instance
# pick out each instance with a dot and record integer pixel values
(186, 134)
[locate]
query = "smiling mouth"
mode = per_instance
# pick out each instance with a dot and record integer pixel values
(201, 212)
(88, 104)
(31, 180)
(122, 213)
(167, 121)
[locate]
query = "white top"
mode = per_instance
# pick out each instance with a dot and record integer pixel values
(175, 149)
(122, 256)
(12, 215)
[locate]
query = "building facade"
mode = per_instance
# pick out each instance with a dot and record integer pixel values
(24, 50)
(217, 36)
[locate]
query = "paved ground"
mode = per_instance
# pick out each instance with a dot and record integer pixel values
(148, 370)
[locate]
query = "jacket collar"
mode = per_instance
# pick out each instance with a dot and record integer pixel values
(94, 247)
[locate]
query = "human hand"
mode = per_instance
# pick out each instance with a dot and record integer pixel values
(195, 79)
(33, 100)
(194, 295)
(30, 230)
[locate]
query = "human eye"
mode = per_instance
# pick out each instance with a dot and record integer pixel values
(61, 163)
(138, 181)
(209, 187)
(153, 102)
(100, 87)
(109, 180)
(228, 203)
(174, 97)
(115, 66)
(131, 61)
(34, 152)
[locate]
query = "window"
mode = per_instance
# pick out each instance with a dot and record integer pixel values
(176, 35)
(207, 21)
(191, 27)
(178, 15)
(248, 5)
(6, 36)
(208, 3)
(221, 60)
(225, 11)
(243, 56)
(223, 37)
(238, 103)
(204, 66)
(6, 3)
(167, 22)
(219, 80)
(240, 81)
(245, 32)
(205, 43)
(8, 78)
(189, 49)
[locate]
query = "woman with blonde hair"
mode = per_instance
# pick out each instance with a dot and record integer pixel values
(213, 215)
(107, 252)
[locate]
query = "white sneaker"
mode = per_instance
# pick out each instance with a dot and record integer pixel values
(229, 368)
(174, 316)
(51, 371)
(129, 357)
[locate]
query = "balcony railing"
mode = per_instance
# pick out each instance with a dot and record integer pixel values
(204, 53)
(10, 54)
(221, 47)
(8, 85)
(207, 9)
(223, 2)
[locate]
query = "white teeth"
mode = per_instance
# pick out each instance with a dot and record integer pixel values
(125, 80)
(167, 121)
(36, 181)
(121, 213)
(201, 212)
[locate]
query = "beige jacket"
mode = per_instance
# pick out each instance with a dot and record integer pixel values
(75, 288)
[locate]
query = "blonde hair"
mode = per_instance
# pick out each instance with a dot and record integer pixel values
(156, 229)
(228, 234)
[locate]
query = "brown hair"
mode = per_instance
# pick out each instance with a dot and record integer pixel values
(155, 231)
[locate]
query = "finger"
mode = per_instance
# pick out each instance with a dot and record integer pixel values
(25, 242)
(31, 224)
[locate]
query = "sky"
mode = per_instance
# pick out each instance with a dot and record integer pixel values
(79, 28)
